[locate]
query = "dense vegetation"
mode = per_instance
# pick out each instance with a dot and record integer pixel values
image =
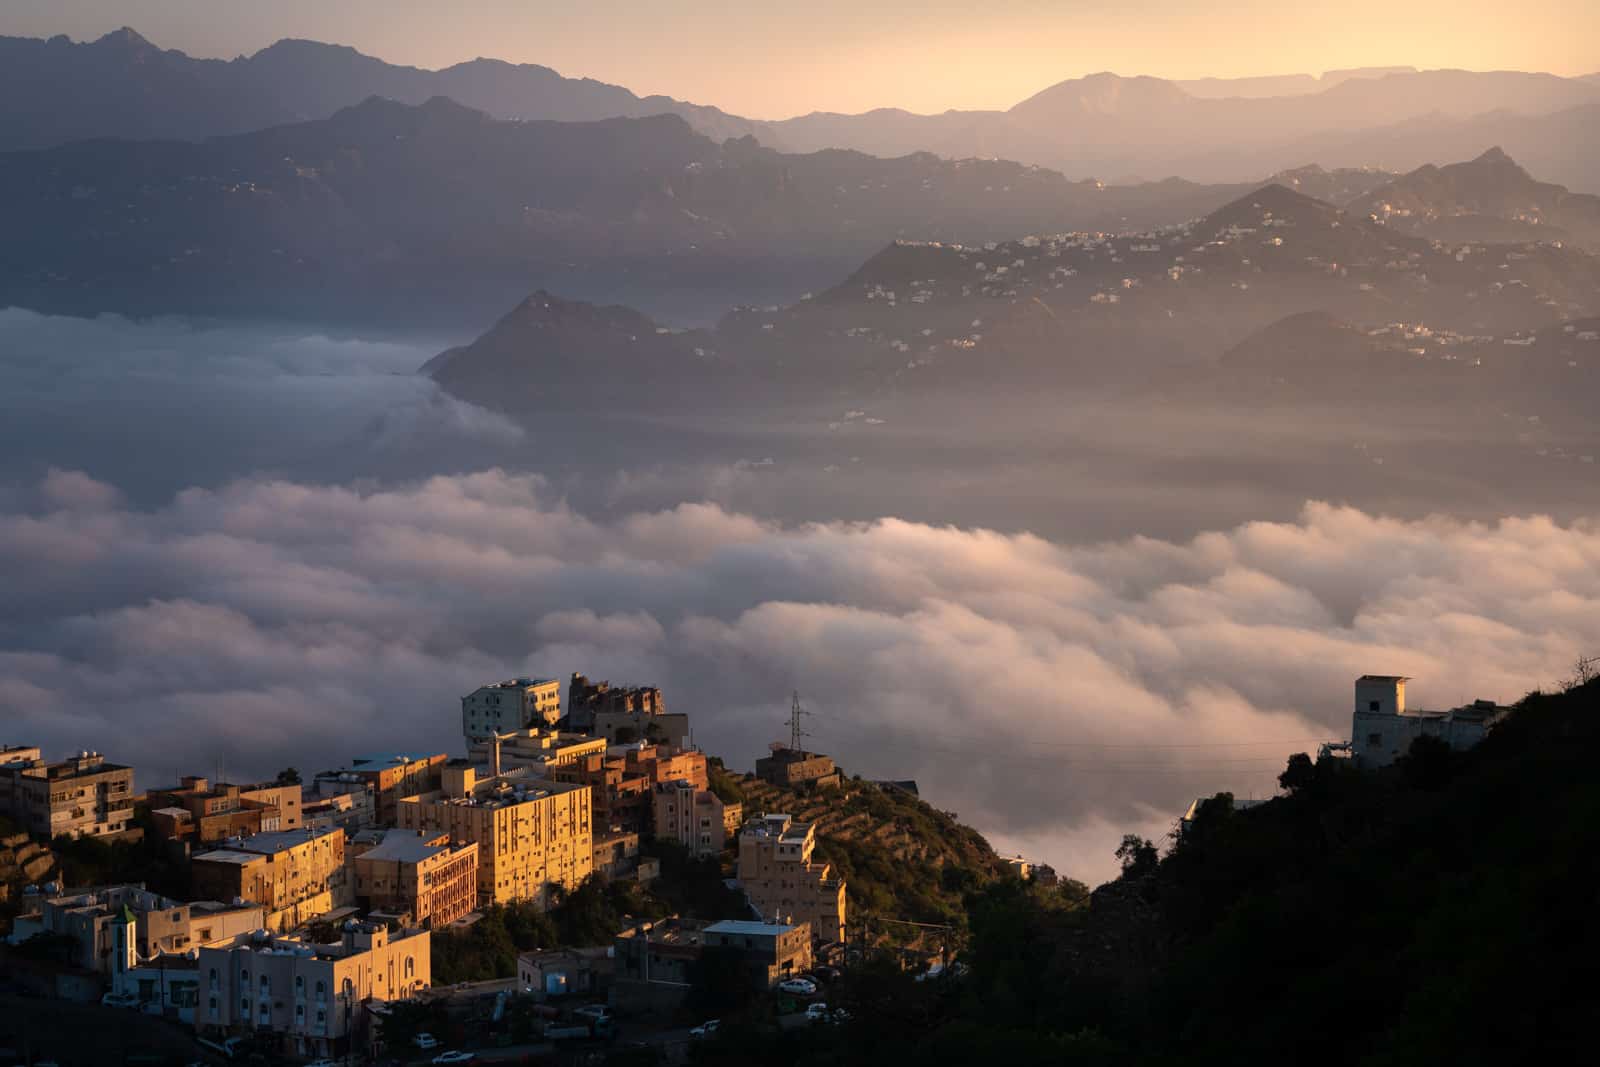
(592, 914)
(1438, 911)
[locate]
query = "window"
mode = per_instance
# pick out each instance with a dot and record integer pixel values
(1374, 739)
(244, 1006)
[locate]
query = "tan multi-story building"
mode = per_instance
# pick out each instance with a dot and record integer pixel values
(695, 818)
(163, 927)
(531, 832)
(586, 699)
(80, 796)
(296, 875)
(781, 881)
(310, 1000)
(392, 776)
(516, 704)
(791, 768)
(201, 812)
(624, 776)
(537, 751)
(418, 875)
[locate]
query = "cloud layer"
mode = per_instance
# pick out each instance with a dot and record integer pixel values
(1054, 696)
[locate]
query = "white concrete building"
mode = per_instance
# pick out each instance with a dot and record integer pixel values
(515, 704)
(1383, 728)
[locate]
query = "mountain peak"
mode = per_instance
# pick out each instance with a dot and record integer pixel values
(126, 37)
(1495, 155)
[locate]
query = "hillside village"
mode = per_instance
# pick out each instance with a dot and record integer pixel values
(335, 914)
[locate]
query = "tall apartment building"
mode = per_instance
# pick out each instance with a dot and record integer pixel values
(531, 833)
(391, 776)
(80, 796)
(418, 875)
(198, 811)
(296, 875)
(515, 704)
(309, 1000)
(695, 818)
(781, 881)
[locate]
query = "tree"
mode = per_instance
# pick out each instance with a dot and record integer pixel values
(1299, 774)
(288, 776)
(1138, 856)
(1585, 670)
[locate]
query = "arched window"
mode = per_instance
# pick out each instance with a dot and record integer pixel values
(322, 989)
(411, 966)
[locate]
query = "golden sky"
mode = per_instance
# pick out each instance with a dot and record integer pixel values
(766, 59)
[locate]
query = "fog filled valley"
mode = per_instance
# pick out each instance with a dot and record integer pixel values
(1113, 433)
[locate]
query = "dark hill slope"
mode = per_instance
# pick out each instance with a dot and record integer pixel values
(1440, 911)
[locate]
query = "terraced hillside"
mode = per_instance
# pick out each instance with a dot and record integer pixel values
(903, 858)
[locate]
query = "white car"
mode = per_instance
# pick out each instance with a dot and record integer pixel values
(800, 987)
(120, 1000)
(425, 1041)
(453, 1057)
(816, 1011)
(705, 1029)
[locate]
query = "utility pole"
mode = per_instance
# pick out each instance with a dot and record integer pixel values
(795, 733)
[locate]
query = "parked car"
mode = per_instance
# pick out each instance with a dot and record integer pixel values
(816, 1012)
(600, 1013)
(705, 1029)
(453, 1057)
(425, 1041)
(323, 1063)
(825, 973)
(120, 1000)
(800, 987)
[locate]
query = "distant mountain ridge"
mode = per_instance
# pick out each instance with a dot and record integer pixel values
(1103, 125)
(1272, 291)
(122, 85)
(388, 211)
(1489, 198)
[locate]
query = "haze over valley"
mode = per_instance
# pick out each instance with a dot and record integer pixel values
(1116, 430)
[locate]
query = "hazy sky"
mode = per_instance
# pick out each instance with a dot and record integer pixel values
(773, 60)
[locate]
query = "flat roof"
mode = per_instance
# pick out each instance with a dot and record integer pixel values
(748, 928)
(228, 855)
(265, 844)
(390, 759)
(520, 683)
(403, 846)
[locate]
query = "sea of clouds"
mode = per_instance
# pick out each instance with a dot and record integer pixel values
(1053, 695)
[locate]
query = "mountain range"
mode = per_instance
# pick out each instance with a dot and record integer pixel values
(386, 212)
(1102, 125)
(1231, 297)
(1490, 198)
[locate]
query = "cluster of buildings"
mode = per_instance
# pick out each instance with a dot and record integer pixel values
(312, 902)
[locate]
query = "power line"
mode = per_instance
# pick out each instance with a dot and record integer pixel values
(981, 739)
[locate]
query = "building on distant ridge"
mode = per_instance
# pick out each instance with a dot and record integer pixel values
(792, 768)
(1382, 728)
